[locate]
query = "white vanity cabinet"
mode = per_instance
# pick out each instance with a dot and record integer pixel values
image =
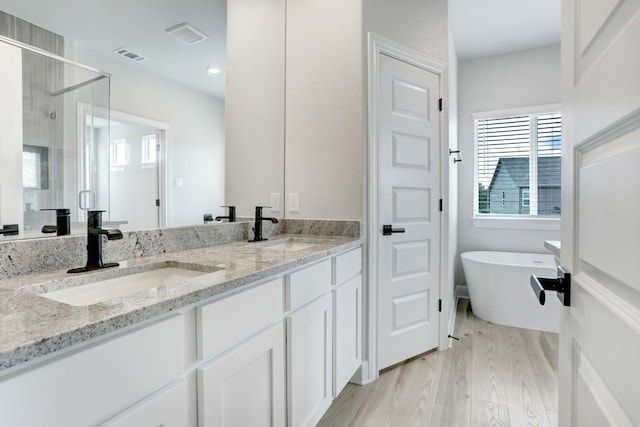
(273, 353)
(309, 343)
(242, 382)
(89, 384)
(246, 386)
(166, 408)
(347, 318)
(309, 362)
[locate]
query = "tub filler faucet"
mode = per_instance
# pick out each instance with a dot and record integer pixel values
(257, 228)
(94, 243)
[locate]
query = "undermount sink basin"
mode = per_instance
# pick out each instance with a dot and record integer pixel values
(132, 281)
(291, 244)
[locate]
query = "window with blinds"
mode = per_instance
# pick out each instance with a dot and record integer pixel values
(518, 164)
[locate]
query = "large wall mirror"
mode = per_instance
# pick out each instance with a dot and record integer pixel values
(221, 134)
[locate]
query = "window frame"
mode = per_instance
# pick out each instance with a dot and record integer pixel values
(148, 150)
(115, 166)
(509, 221)
(526, 200)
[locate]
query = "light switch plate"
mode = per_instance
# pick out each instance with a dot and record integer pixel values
(294, 202)
(275, 202)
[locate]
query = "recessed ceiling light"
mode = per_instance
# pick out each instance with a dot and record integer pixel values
(213, 70)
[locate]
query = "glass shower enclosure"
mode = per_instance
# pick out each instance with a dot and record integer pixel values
(54, 138)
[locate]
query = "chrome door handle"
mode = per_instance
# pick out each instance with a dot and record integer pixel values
(388, 230)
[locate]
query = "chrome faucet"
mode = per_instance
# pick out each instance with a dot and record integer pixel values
(232, 214)
(94, 243)
(257, 229)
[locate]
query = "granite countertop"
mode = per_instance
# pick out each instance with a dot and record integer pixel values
(32, 326)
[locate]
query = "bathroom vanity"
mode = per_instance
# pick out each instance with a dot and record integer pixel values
(268, 334)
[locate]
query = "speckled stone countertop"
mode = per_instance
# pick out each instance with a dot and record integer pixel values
(32, 326)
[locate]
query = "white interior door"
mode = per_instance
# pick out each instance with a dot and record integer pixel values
(137, 189)
(600, 332)
(408, 199)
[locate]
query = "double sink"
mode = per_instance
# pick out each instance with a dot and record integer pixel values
(101, 285)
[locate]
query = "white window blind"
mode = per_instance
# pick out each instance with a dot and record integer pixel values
(518, 164)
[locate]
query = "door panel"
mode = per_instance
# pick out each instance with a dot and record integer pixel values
(411, 151)
(409, 185)
(411, 204)
(600, 332)
(410, 258)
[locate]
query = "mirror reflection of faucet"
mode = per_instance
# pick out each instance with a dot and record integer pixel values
(94, 243)
(257, 228)
(9, 230)
(63, 222)
(232, 214)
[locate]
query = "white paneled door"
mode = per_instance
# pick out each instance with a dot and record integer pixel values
(408, 140)
(600, 331)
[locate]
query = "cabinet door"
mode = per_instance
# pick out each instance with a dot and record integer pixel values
(167, 409)
(309, 362)
(245, 387)
(347, 329)
(92, 383)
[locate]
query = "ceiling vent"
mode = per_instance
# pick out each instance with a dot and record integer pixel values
(130, 55)
(186, 33)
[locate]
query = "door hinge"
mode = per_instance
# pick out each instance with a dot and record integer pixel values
(157, 202)
(440, 104)
(440, 305)
(441, 205)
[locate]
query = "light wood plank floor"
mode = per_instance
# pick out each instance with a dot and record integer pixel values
(493, 376)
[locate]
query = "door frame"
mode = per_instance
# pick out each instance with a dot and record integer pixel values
(377, 46)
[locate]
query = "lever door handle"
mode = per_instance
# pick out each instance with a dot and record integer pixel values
(388, 230)
(561, 285)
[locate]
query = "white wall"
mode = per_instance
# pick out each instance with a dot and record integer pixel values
(419, 25)
(326, 102)
(324, 108)
(255, 104)
(519, 79)
(195, 149)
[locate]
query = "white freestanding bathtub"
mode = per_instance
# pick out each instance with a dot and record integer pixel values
(498, 284)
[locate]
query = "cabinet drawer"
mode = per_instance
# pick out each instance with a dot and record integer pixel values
(167, 408)
(348, 265)
(91, 384)
(307, 284)
(222, 324)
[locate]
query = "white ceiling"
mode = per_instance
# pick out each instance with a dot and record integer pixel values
(480, 28)
(139, 25)
(490, 27)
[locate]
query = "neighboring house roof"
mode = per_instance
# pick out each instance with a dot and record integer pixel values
(518, 169)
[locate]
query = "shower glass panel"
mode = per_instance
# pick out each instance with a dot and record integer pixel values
(63, 138)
